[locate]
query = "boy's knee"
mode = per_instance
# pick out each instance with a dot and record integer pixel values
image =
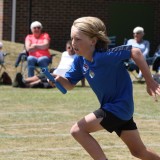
(75, 130)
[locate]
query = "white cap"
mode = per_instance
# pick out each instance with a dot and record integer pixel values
(138, 30)
(1, 44)
(35, 24)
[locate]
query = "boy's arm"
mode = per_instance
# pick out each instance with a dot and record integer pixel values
(65, 82)
(153, 88)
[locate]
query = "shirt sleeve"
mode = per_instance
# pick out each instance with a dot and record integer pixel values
(27, 38)
(46, 36)
(130, 42)
(74, 75)
(119, 54)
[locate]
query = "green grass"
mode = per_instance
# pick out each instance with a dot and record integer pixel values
(35, 123)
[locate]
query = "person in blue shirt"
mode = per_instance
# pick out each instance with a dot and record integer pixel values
(139, 42)
(105, 72)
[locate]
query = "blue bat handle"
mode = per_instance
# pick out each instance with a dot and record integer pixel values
(51, 78)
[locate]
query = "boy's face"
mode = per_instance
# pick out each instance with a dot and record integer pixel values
(82, 44)
(69, 49)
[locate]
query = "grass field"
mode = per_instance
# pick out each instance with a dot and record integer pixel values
(35, 123)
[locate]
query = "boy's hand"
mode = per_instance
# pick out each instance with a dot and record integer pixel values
(50, 82)
(153, 89)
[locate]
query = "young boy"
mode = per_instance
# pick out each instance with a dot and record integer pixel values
(105, 71)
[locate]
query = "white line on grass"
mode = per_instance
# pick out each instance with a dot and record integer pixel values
(49, 149)
(44, 112)
(53, 123)
(61, 135)
(147, 116)
(63, 148)
(34, 136)
(36, 124)
(79, 111)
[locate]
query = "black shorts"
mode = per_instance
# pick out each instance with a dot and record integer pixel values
(112, 123)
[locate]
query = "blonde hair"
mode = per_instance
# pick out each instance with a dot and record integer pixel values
(93, 27)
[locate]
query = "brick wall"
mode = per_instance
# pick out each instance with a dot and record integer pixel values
(1, 18)
(57, 17)
(157, 24)
(7, 17)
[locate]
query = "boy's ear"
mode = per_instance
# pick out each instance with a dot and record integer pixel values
(94, 40)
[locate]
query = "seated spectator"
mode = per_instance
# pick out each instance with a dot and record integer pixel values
(66, 61)
(143, 45)
(37, 46)
(156, 63)
(31, 82)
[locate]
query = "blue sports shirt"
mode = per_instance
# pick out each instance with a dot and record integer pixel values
(108, 78)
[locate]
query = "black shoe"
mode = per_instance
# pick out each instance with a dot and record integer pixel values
(37, 85)
(19, 79)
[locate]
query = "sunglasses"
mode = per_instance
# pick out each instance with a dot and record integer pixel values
(36, 27)
(69, 47)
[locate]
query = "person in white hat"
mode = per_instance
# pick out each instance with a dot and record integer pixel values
(139, 42)
(37, 45)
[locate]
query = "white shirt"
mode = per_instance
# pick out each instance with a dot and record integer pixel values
(65, 64)
(144, 46)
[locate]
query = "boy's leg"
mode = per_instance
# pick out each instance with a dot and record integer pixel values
(31, 79)
(36, 84)
(80, 131)
(137, 148)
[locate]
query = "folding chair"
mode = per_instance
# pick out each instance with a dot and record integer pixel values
(156, 68)
(22, 63)
(5, 79)
(2, 61)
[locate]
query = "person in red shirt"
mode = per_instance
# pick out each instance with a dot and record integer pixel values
(37, 46)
